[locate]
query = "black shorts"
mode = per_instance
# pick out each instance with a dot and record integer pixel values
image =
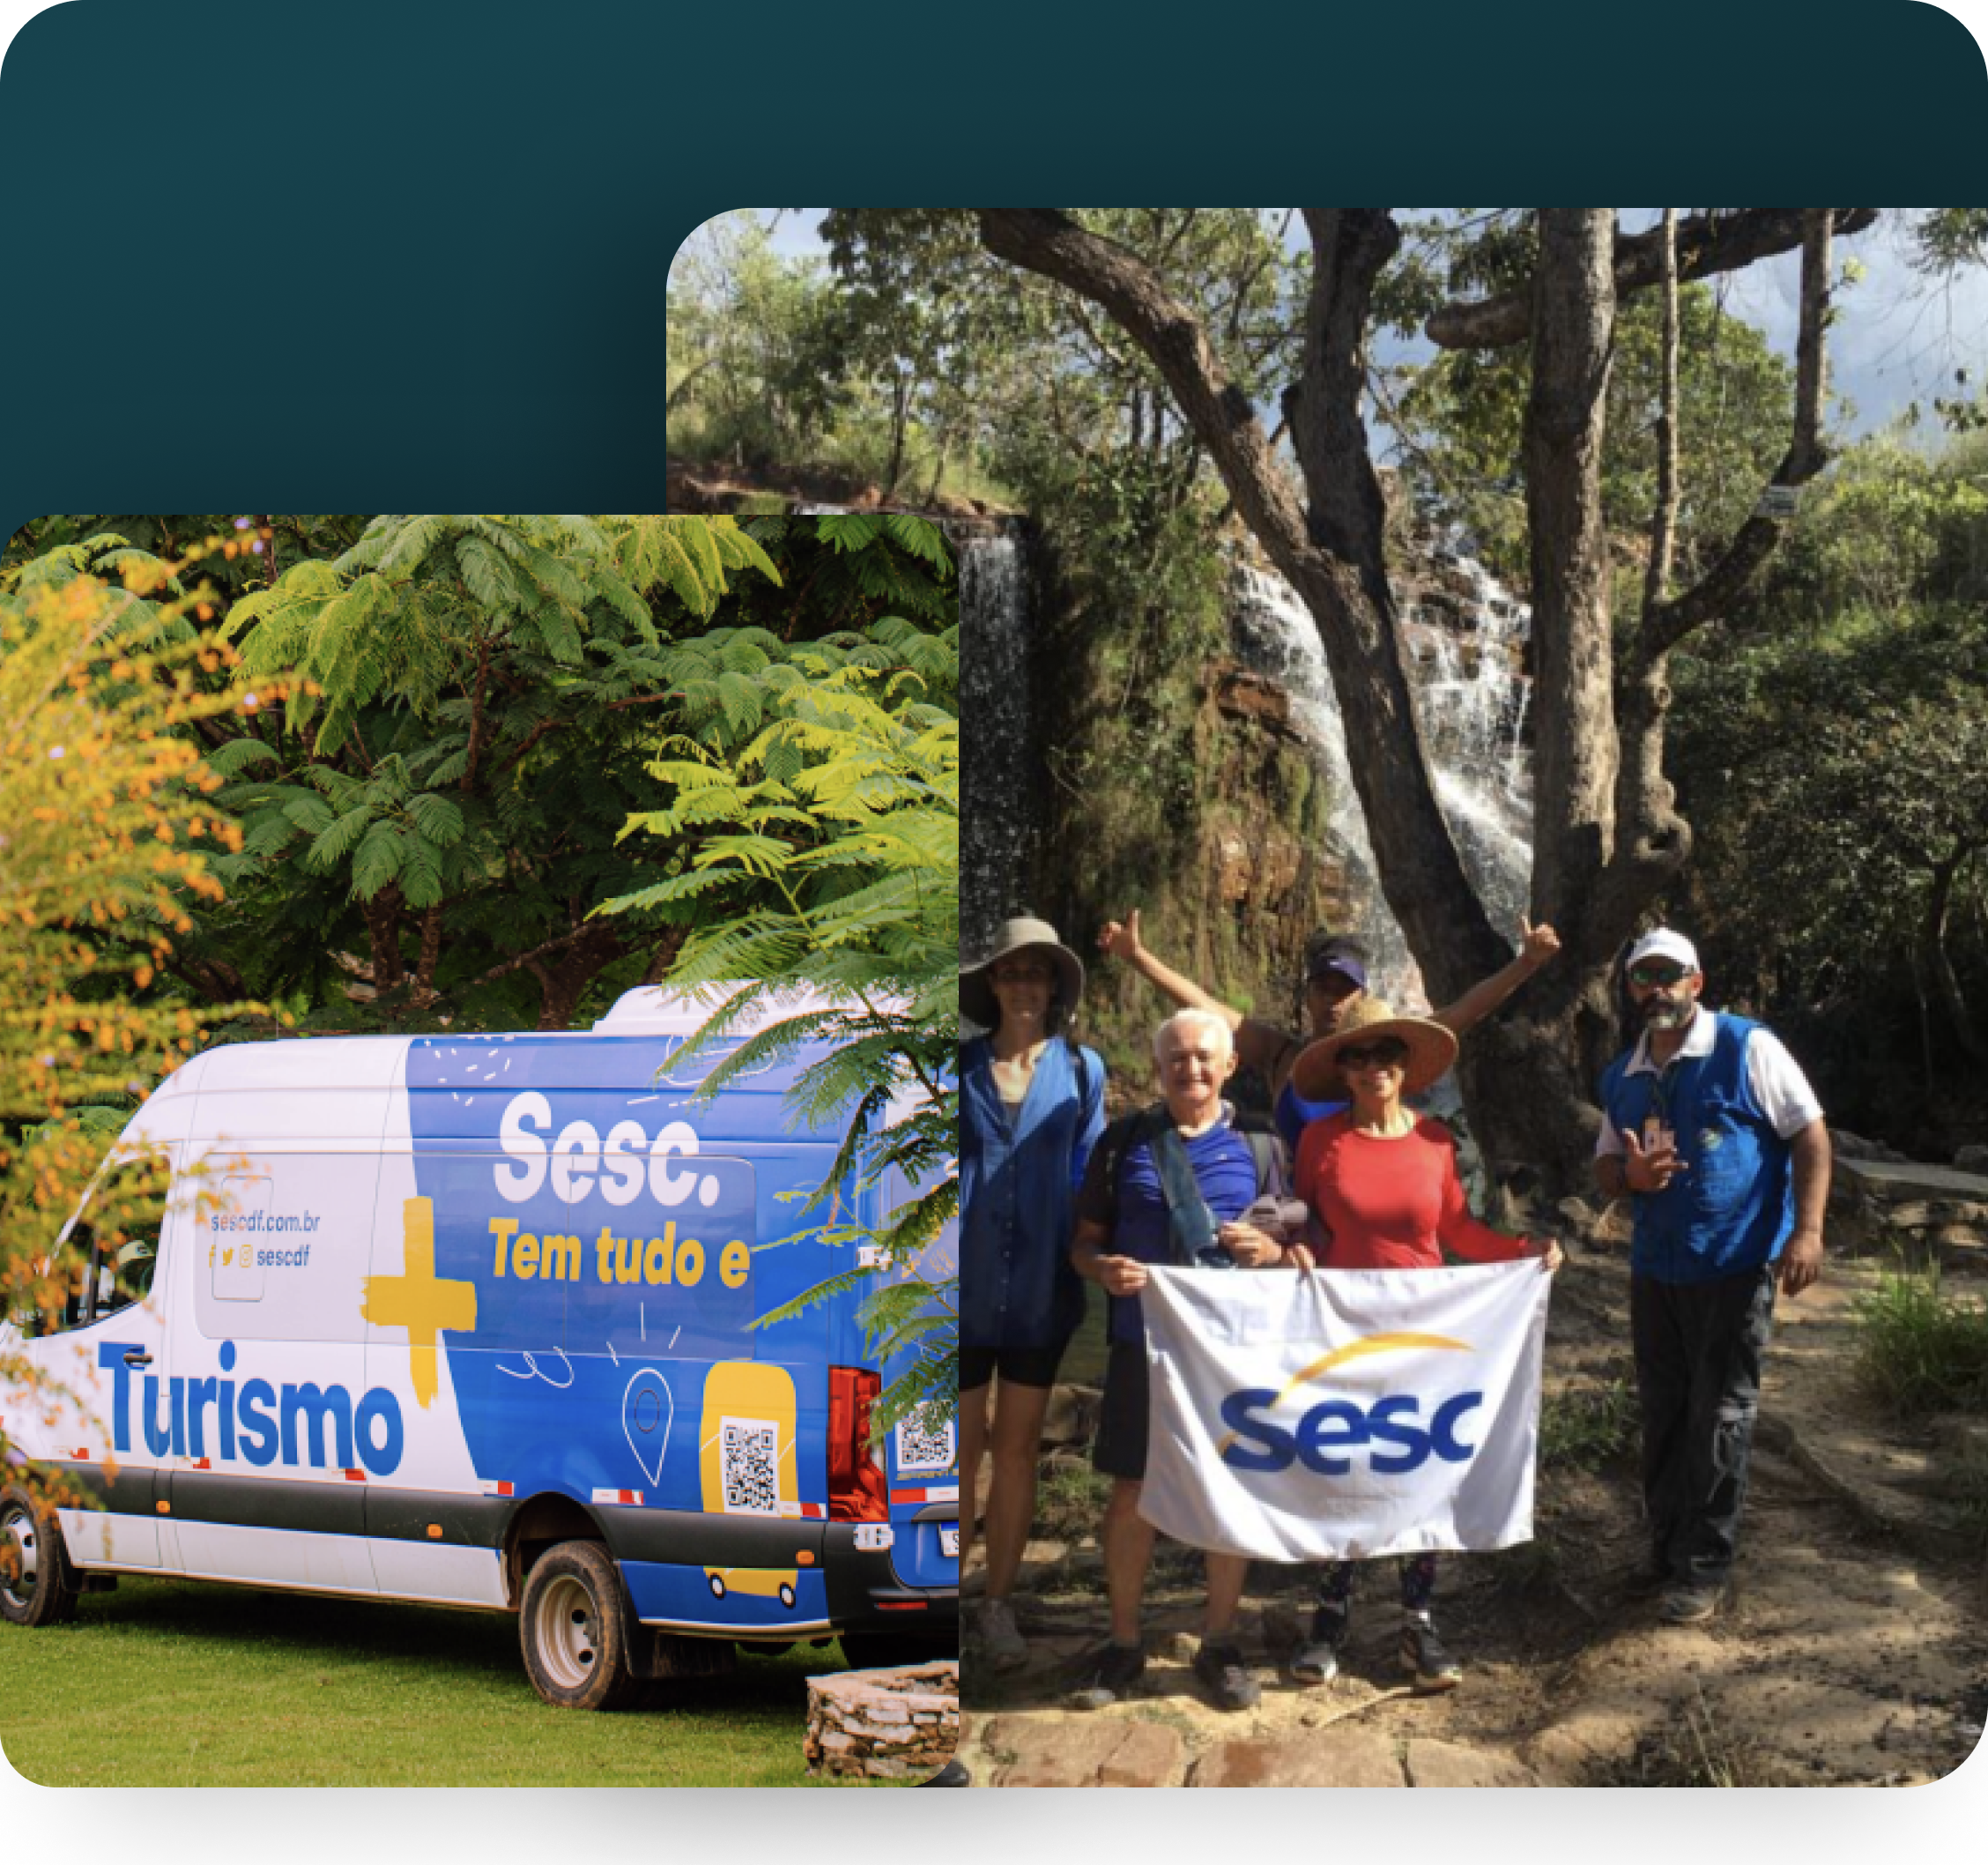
(1120, 1450)
(1017, 1365)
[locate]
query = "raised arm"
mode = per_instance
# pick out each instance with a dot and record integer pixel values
(1257, 1044)
(1537, 947)
(1120, 938)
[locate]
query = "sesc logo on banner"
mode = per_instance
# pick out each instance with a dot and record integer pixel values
(1343, 1414)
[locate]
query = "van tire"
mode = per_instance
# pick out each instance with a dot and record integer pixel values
(30, 1534)
(573, 1626)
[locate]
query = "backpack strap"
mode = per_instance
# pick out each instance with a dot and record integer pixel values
(1267, 1149)
(1190, 1225)
(1119, 1139)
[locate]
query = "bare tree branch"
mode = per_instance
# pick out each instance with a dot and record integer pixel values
(1042, 240)
(1722, 585)
(1663, 526)
(1706, 243)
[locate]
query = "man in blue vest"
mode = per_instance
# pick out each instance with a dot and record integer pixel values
(1713, 1132)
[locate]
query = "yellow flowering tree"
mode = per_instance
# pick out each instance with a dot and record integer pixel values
(105, 836)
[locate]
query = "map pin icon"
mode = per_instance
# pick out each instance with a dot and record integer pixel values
(647, 1413)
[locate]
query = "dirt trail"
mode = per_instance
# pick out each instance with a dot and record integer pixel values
(1853, 1651)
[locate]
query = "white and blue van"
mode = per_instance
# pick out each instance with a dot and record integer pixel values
(465, 1319)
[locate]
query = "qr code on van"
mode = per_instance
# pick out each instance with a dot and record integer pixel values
(924, 1445)
(749, 1462)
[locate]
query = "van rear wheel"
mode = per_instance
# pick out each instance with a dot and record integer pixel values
(38, 1587)
(573, 1626)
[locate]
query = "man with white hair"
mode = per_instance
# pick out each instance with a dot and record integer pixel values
(1170, 1185)
(1712, 1130)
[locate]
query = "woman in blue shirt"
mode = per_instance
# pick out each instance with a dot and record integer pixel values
(1031, 1107)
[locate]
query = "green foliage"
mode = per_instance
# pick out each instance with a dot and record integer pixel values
(1832, 750)
(1849, 774)
(821, 816)
(1921, 1350)
(1948, 238)
(1888, 530)
(757, 361)
(1461, 416)
(1069, 1501)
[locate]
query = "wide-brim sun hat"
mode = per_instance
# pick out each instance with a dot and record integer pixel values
(976, 989)
(1432, 1050)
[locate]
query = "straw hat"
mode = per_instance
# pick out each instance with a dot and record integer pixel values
(1431, 1050)
(976, 992)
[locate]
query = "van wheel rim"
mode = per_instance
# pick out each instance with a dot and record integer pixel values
(18, 1556)
(568, 1645)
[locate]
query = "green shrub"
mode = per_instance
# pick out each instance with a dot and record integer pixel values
(1069, 1501)
(1920, 1350)
(1586, 1427)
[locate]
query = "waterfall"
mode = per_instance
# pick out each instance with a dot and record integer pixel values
(1469, 700)
(1001, 779)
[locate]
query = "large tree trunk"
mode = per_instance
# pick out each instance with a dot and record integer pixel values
(1549, 1040)
(382, 929)
(1573, 763)
(565, 979)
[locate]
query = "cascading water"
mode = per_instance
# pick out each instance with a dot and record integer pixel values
(1002, 778)
(1470, 701)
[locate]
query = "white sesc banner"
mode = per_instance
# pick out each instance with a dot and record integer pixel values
(1346, 1414)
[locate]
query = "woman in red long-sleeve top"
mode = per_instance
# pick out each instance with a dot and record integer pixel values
(1382, 1182)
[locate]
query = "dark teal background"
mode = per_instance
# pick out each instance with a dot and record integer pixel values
(371, 257)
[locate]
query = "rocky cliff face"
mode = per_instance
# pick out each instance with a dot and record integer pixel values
(1171, 777)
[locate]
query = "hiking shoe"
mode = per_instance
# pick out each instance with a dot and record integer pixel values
(1105, 1677)
(1424, 1659)
(1225, 1677)
(1692, 1605)
(1001, 1638)
(1318, 1659)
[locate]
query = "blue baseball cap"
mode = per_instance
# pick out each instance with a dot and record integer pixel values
(1330, 961)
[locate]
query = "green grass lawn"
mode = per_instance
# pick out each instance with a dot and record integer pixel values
(170, 1683)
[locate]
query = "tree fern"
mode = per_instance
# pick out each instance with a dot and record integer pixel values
(830, 833)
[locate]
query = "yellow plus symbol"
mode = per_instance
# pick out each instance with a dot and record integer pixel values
(415, 1301)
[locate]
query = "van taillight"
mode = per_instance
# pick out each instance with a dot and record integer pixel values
(857, 1489)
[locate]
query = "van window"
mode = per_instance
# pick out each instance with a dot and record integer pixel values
(108, 1261)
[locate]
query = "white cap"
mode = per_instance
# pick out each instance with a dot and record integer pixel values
(1663, 943)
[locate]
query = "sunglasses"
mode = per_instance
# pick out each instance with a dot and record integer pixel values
(1657, 974)
(1380, 1055)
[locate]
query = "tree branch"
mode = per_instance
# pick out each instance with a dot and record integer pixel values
(1042, 240)
(1663, 526)
(1722, 585)
(1706, 243)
